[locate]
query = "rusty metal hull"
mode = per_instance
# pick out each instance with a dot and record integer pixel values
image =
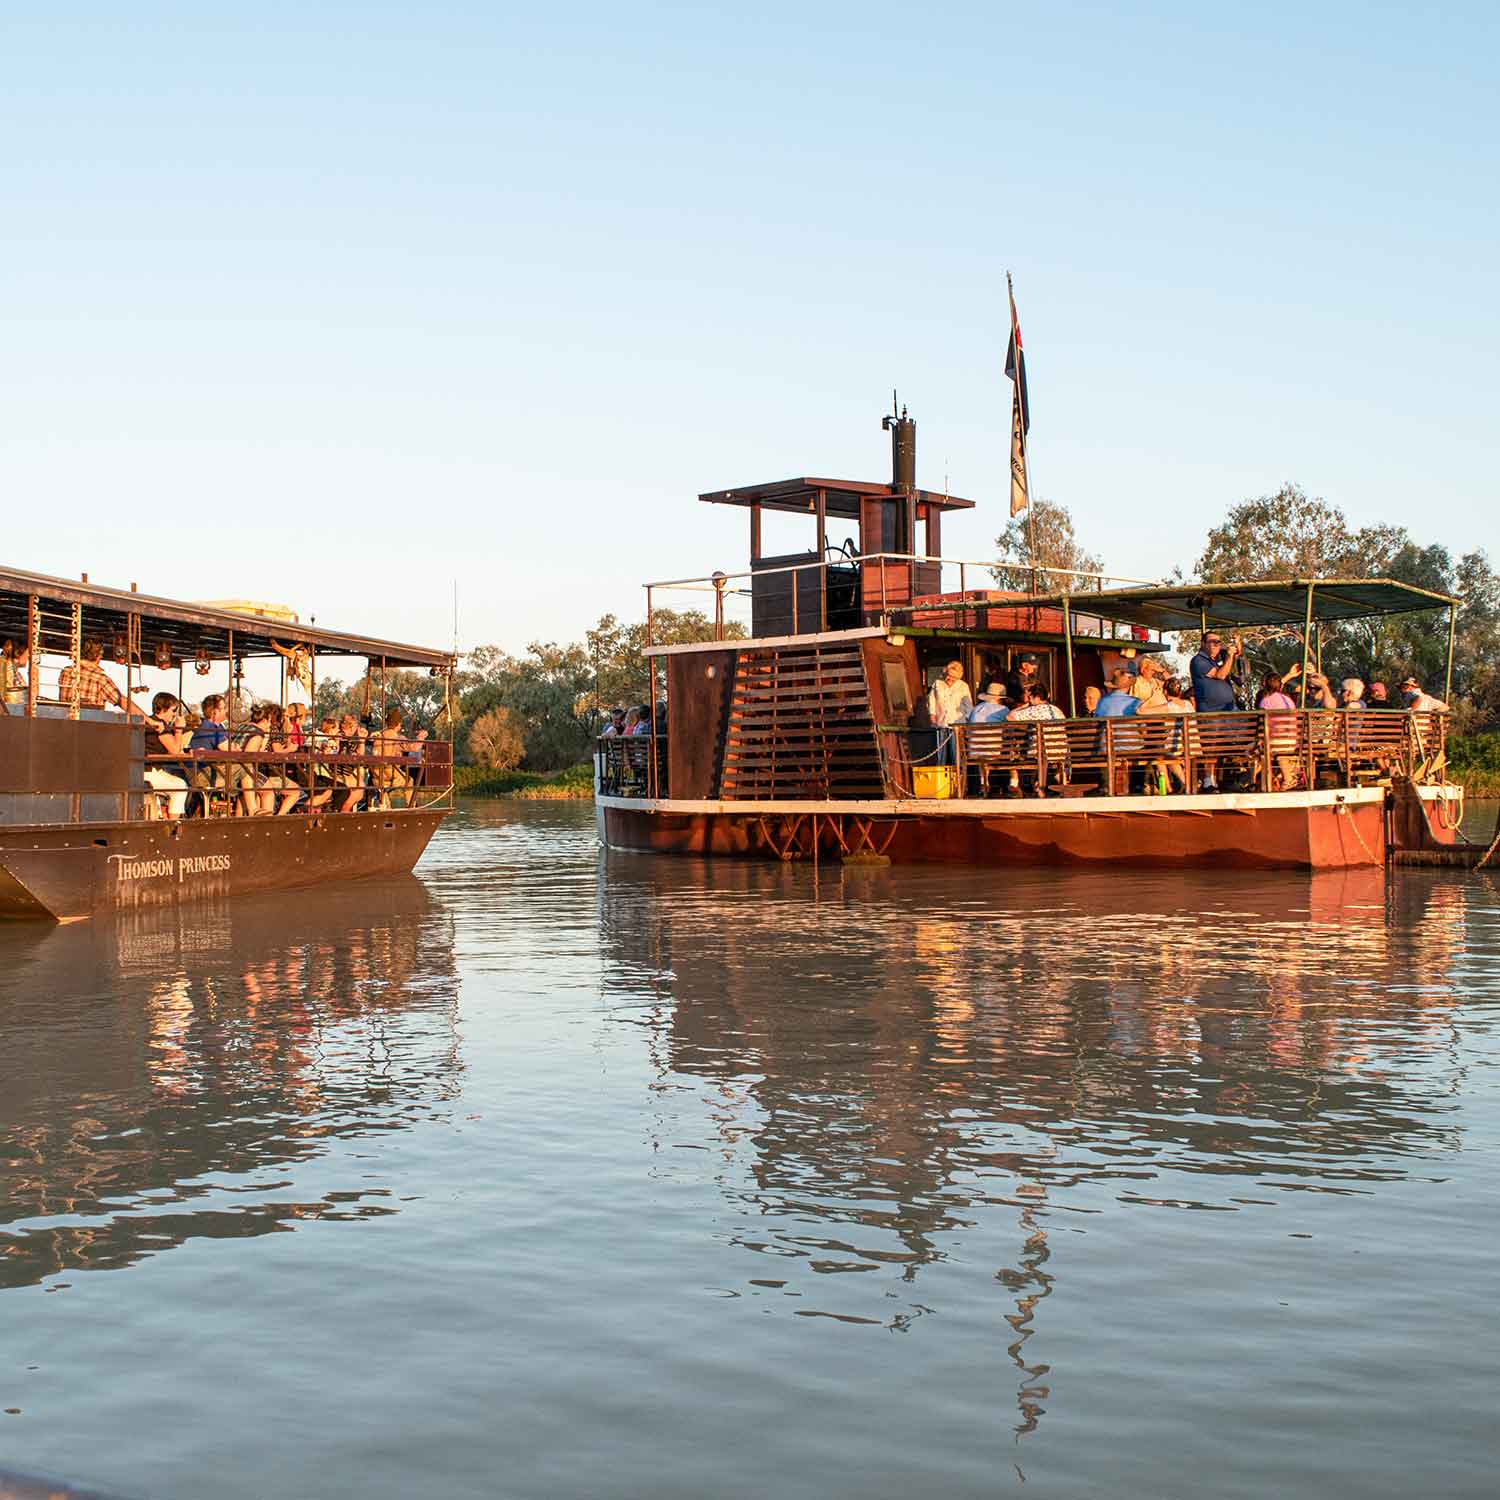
(1292, 830)
(68, 872)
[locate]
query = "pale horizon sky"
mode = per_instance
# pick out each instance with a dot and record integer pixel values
(339, 306)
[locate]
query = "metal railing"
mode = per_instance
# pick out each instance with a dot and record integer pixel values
(313, 781)
(1265, 751)
(631, 765)
(726, 586)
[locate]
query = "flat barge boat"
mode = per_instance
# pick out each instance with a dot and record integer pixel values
(808, 738)
(82, 831)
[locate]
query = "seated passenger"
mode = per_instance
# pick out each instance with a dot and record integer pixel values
(254, 737)
(1146, 689)
(642, 720)
(14, 656)
(1351, 693)
(1316, 691)
(296, 732)
(1091, 697)
(1281, 732)
(1118, 702)
(1169, 773)
(280, 777)
(991, 705)
(350, 777)
(1417, 701)
(389, 740)
(1039, 706)
(616, 724)
(1377, 697)
(166, 734)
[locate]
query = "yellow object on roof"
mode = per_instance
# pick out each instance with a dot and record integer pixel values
(254, 607)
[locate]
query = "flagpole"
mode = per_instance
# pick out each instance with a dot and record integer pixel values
(1020, 398)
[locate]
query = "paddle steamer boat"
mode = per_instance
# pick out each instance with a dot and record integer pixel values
(808, 738)
(80, 830)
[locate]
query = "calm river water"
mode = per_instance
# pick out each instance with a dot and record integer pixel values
(550, 1173)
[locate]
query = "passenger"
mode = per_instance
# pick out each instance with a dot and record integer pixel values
(1316, 691)
(632, 719)
(1147, 687)
(616, 724)
(1039, 705)
(949, 702)
(210, 734)
(642, 720)
(390, 741)
(1118, 702)
(1281, 732)
(1377, 697)
(1091, 697)
(166, 734)
(14, 657)
(1417, 701)
(1351, 693)
(351, 777)
(296, 714)
(1021, 679)
(416, 756)
(991, 706)
(254, 737)
(1169, 774)
(93, 687)
(324, 774)
(1211, 669)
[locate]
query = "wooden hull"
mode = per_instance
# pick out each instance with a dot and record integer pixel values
(1275, 830)
(79, 870)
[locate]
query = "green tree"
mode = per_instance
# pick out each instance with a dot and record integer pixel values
(1056, 547)
(621, 675)
(1290, 535)
(496, 741)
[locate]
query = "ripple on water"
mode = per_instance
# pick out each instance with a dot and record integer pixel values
(551, 1171)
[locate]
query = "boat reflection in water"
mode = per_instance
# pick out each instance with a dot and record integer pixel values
(913, 1070)
(164, 1068)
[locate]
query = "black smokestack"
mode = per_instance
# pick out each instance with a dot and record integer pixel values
(903, 453)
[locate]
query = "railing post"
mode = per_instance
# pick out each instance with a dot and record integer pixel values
(1265, 751)
(1309, 756)
(1109, 754)
(33, 653)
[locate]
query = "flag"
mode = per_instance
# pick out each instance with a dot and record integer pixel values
(1020, 412)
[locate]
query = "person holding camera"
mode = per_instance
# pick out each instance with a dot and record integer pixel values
(1211, 670)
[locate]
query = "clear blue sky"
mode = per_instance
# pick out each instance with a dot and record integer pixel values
(336, 304)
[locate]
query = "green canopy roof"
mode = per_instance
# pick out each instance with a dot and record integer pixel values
(1273, 601)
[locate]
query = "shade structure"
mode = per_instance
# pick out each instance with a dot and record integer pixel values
(1273, 601)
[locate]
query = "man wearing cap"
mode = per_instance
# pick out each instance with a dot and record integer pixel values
(1418, 702)
(1377, 697)
(991, 706)
(1018, 681)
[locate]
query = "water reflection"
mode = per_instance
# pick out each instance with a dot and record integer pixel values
(164, 1071)
(896, 1061)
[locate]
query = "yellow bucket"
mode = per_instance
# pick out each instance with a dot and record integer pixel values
(934, 781)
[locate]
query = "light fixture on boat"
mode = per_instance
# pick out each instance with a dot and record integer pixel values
(202, 662)
(119, 650)
(163, 657)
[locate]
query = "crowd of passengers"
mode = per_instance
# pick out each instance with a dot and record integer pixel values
(187, 783)
(1151, 690)
(635, 721)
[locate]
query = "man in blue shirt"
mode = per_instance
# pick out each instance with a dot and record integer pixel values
(1211, 669)
(991, 706)
(1118, 702)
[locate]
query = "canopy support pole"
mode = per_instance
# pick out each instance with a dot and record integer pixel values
(1452, 634)
(1068, 647)
(1306, 643)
